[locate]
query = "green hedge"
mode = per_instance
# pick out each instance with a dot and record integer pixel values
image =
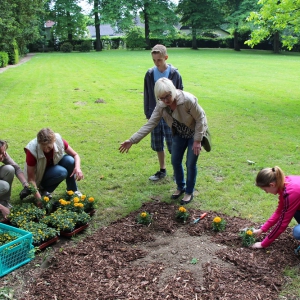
(3, 59)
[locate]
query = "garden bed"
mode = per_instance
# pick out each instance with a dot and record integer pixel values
(166, 260)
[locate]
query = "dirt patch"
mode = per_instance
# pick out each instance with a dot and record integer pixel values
(166, 260)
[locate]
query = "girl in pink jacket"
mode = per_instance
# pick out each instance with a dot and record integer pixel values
(273, 180)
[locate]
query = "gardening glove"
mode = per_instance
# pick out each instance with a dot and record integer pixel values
(24, 193)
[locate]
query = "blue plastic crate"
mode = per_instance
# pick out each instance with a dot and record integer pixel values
(16, 253)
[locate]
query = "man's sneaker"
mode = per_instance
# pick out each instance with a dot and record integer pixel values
(158, 175)
(24, 193)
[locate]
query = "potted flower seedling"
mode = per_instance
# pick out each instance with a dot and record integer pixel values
(20, 214)
(76, 203)
(40, 231)
(218, 224)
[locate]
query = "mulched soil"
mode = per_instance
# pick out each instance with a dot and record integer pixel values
(110, 264)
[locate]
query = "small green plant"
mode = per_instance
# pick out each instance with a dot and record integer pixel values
(6, 293)
(32, 188)
(248, 237)
(182, 214)
(144, 218)
(194, 261)
(218, 224)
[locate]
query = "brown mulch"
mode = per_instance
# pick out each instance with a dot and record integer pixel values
(110, 264)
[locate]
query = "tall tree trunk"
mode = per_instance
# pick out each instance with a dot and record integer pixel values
(70, 35)
(147, 26)
(236, 45)
(97, 26)
(194, 38)
(276, 43)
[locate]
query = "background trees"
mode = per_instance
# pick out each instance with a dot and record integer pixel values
(276, 18)
(22, 22)
(69, 19)
(200, 15)
(236, 13)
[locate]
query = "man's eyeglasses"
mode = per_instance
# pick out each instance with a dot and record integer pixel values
(167, 97)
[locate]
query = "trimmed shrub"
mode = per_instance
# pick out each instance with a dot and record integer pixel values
(66, 47)
(13, 53)
(3, 59)
(86, 46)
(135, 39)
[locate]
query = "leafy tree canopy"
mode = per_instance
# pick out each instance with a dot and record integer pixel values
(276, 16)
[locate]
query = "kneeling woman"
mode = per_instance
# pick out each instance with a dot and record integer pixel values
(187, 119)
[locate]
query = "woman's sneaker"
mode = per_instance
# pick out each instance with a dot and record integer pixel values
(78, 193)
(158, 175)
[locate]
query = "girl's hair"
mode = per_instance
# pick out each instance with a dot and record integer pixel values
(46, 136)
(3, 143)
(269, 175)
(164, 85)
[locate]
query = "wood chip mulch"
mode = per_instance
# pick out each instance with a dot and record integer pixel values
(101, 266)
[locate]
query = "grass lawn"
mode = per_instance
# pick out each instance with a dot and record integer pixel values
(251, 99)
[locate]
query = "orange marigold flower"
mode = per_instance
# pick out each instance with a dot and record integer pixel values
(46, 199)
(182, 209)
(78, 204)
(70, 193)
(217, 220)
(83, 197)
(91, 199)
(76, 199)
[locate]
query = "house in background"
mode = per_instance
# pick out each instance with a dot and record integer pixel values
(219, 32)
(48, 25)
(105, 30)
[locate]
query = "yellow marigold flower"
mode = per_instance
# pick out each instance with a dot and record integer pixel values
(249, 232)
(217, 220)
(182, 209)
(143, 214)
(46, 199)
(91, 199)
(70, 193)
(76, 199)
(83, 197)
(78, 204)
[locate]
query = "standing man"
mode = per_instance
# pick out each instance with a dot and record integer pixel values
(162, 131)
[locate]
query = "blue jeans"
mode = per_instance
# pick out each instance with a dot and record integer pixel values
(296, 230)
(179, 145)
(54, 175)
